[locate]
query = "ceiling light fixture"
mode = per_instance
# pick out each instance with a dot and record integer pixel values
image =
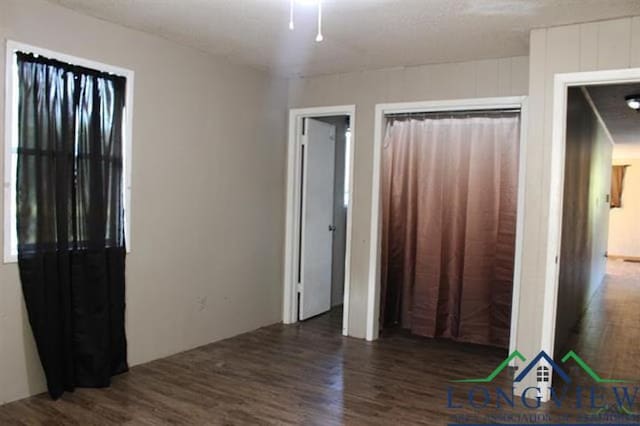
(633, 102)
(319, 36)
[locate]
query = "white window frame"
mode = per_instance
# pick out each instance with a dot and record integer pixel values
(11, 134)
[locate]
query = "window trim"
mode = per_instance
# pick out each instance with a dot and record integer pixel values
(10, 111)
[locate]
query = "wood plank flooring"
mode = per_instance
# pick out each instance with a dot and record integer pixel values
(308, 374)
(608, 336)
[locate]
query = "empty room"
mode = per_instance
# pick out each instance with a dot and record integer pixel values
(320, 212)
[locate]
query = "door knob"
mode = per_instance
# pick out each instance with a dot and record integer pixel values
(332, 228)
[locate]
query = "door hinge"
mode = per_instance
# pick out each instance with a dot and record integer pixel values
(556, 260)
(304, 126)
(299, 287)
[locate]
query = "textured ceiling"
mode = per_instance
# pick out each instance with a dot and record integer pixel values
(359, 34)
(623, 122)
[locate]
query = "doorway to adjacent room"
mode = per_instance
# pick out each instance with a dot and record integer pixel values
(318, 230)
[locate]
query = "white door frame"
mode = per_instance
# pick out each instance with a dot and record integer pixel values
(476, 104)
(292, 226)
(558, 144)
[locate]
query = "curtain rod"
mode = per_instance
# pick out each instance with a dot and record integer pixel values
(68, 67)
(461, 112)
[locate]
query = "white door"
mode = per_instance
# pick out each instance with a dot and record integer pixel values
(317, 218)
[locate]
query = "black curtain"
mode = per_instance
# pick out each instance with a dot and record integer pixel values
(70, 219)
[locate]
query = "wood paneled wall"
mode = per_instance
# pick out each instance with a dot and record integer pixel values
(611, 44)
(585, 218)
(487, 78)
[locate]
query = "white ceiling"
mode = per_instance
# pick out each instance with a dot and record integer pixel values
(359, 34)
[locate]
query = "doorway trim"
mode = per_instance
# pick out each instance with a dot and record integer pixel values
(562, 82)
(293, 203)
(477, 104)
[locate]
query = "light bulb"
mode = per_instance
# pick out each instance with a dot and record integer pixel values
(633, 102)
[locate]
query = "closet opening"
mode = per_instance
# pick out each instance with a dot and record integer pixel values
(447, 219)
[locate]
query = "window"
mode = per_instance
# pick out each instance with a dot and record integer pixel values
(11, 138)
(617, 182)
(542, 374)
(347, 166)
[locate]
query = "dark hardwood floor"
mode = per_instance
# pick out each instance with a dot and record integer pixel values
(305, 374)
(608, 336)
(308, 374)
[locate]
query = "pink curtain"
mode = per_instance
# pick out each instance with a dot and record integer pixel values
(449, 197)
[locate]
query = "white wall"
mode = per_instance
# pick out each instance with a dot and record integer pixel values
(601, 187)
(487, 78)
(208, 192)
(624, 232)
(600, 45)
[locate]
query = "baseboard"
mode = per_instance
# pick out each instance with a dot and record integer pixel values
(624, 258)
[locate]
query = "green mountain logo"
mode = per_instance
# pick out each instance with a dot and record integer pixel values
(504, 364)
(571, 355)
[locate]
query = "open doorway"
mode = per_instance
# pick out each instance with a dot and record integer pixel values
(451, 192)
(319, 216)
(599, 275)
(590, 309)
